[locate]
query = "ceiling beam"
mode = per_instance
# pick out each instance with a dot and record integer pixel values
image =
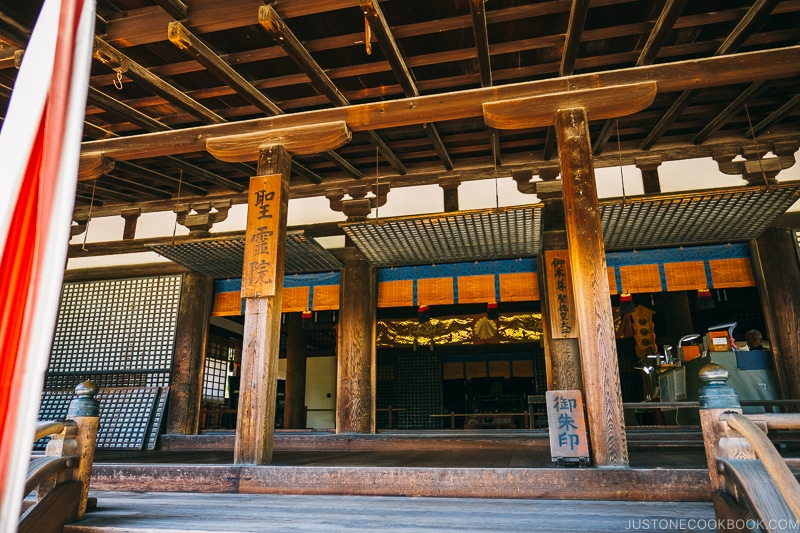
(175, 8)
(117, 61)
(159, 177)
(678, 76)
(185, 40)
(102, 100)
(572, 41)
(195, 48)
(776, 116)
(478, 11)
(380, 27)
(755, 18)
(658, 36)
(728, 113)
(139, 187)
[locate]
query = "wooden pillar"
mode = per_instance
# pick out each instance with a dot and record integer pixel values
(355, 380)
(778, 280)
(294, 412)
(590, 285)
(262, 285)
(559, 325)
(649, 168)
(449, 185)
(186, 384)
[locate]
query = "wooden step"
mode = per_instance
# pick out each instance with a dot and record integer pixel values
(119, 512)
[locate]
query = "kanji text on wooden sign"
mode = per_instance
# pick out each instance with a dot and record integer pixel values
(261, 237)
(567, 424)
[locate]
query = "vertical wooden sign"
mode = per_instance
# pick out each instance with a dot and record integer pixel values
(559, 287)
(261, 237)
(568, 440)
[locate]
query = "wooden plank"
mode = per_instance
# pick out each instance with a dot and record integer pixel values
(300, 140)
(700, 73)
(262, 236)
(561, 312)
(259, 378)
(57, 508)
(567, 425)
(599, 364)
(538, 111)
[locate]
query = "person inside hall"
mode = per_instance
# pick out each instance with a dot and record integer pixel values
(754, 340)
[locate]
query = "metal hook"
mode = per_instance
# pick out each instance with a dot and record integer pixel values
(118, 80)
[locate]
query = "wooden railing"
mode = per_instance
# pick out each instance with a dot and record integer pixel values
(61, 476)
(753, 487)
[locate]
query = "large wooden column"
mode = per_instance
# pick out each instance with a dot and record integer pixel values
(262, 284)
(590, 284)
(186, 384)
(294, 411)
(778, 277)
(355, 380)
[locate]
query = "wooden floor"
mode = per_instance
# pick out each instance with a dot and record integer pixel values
(120, 512)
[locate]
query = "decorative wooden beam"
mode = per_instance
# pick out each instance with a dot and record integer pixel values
(374, 14)
(93, 166)
(103, 101)
(698, 73)
(117, 61)
(176, 8)
(537, 111)
(300, 140)
(478, 11)
(755, 18)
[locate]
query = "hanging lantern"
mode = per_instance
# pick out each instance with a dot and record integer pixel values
(492, 311)
(423, 313)
(704, 299)
(626, 304)
(306, 319)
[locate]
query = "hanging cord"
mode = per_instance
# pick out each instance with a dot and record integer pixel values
(755, 144)
(177, 203)
(619, 153)
(91, 205)
(496, 196)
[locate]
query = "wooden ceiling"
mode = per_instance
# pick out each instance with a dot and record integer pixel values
(167, 66)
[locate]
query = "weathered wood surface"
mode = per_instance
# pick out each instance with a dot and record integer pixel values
(462, 482)
(60, 505)
(693, 74)
(355, 379)
(596, 336)
(781, 296)
(261, 340)
(186, 384)
(301, 140)
(256, 513)
(538, 111)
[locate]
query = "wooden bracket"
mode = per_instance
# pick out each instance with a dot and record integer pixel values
(93, 165)
(298, 140)
(540, 111)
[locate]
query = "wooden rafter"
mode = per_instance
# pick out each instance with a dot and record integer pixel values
(158, 177)
(572, 41)
(175, 8)
(185, 40)
(728, 113)
(478, 11)
(391, 51)
(139, 187)
(655, 40)
(777, 115)
(754, 19)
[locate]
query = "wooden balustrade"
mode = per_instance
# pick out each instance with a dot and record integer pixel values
(749, 478)
(61, 477)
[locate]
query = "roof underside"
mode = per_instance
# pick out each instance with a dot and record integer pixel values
(317, 55)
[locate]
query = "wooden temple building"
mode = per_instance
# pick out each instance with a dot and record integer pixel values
(426, 330)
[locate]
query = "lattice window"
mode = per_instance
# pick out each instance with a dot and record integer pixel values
(215, 377)
(116, 326)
